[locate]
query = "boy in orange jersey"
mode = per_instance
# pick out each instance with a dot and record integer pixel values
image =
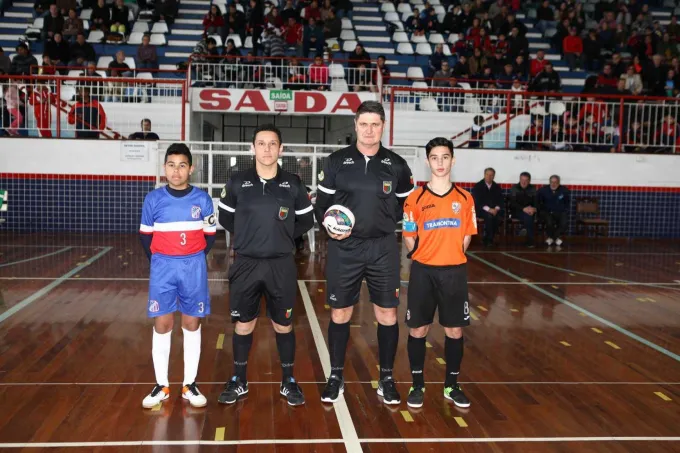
(439, 221)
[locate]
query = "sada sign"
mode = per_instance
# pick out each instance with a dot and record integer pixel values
(259, 101)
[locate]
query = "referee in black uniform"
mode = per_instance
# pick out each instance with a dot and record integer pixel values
(265, 208)
(373, 183)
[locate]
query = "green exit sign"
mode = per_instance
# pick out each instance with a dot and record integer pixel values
(280, 95)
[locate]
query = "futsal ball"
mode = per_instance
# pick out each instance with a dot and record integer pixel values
(338, 219)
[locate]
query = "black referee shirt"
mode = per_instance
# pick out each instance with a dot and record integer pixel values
(265, 215)
(373, 188)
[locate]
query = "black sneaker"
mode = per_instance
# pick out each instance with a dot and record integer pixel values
(293, 393)
(233, 390)
(416, 396)
(334, 388)
(388, 390)
(456, 395)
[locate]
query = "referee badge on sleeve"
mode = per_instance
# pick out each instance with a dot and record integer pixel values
(283, 213)
(321, 176)
(224, 192)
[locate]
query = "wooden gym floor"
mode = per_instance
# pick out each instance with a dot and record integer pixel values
(569, 351)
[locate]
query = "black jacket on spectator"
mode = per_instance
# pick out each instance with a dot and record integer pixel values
(86, 52)
(53, 24)
(545, 81)
(58, 52)
(521, 198)
(487, 196)
(553, 201)
(21, 65)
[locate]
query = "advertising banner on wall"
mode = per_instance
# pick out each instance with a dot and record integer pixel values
(278, 101)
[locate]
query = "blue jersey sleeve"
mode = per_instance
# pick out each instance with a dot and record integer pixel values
(209, 217)
(146, 225)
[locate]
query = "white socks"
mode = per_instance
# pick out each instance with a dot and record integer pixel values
(161, 355)
(160, 352)
(192, 354)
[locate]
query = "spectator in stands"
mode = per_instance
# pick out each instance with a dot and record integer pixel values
(313, 38)
(147, 57)
(96, 87)
(58, 50)
(47, 67)
(101, 16)
(318, 74)
(362, 79)
(166, 11)
(332, 26)
(452, 101)
(293, 35)
(255, 21)
(667, 48)
(5, 63)
(213, 22)
(296, 77)
(547, 81)
(274, 18)
(312, 11)
(461, 69)
(275, 49)
(476, 62)
(357, 58)
(146, 133)
(655, 75)
(118, 67)
(119, 18)
(236, 22)
(535, 136)
(381, 66)
(557, 139)
(326, 10)
(505, 80)
(618, 65)
(289, 11)
(72, 26)
(53, 23)
(16, 110)
(496, 8)
(523, 205)
(607, 78)
(435, 61)
(554, 202)
(670, 84)
(488, 198)
(673, 29)
(537, 63)
(412, 23)
(81, 52)
(633, 82)
(41, 8)
(441, 77)
(572, 48)
(545, 16)
(23, 61)
(497, 63)
(87, 115)
(591, 58)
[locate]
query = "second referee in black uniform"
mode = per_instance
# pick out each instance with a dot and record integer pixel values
(265, 207)
(373, 182)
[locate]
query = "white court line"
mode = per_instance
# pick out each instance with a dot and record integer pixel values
(666, 285)
(411, 440)
(46, 384)
(527, 252)
(33, 258)
(53, 246)
(349, 433)
(58, 281)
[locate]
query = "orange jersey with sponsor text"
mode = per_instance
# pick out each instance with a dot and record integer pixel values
(439, 223)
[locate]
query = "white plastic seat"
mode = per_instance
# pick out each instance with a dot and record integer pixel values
(86, 24)
(237, 40)
(404, 8)
(405, 48)
(447, 51)
(419, 84)
(135, 38)
(453, 38)
(349, 46)
(67, 93)
(439, 9)
(38, 23)
(392, 17)
(160, 27)
(400, 36)
(140, 27)
(218, 40)
(72, 73)
(249, 42)
(436, 38)
(347, 24)
(145, 76)
(415, 72)
(103, 62)
(387, 8)
(332, 43)
(428, 104)
(424, 49)
(336, 71)
(348, 35)
(406, 15)
(86, 14)
(158, 39)
(557, 108)
(95, 37)
(416, 39)
(339, 85)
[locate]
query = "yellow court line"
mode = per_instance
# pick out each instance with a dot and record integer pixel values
(612, 344)
(572, 275)
(555, 286)
(157, 407)
(580, 313)
(355, 325)
(596, 330)
(441, 361)
(374, 384)
(427, 344)
(461, 422)
(474, 316)
(320, 290)
(650, 299)
(407, 416)
(482, 307)
(378, 367)
(514, 310)
(220, 341)
(375, 323)
(219, 433)
(663, 396)
(619, 264)
(327, 307)
(565, 343)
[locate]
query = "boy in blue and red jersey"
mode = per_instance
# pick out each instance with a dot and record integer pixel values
(177, 231)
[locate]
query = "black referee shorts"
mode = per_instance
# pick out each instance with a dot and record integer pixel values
(351, 260)
(252, 278)
(438, 287)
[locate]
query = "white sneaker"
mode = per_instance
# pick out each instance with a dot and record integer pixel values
(558, 242)
(190, 392)
(549, 241)
(158, 394)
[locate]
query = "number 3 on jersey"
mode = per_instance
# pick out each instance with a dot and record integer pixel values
(183, 238)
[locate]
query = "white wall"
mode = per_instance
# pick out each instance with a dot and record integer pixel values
(103, 157)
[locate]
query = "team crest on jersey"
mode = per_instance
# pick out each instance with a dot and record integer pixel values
(387, 187)
(154, 307)
(283, 213)
(456, 207)
(195, 212)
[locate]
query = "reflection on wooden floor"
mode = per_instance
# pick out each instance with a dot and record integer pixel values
(576, 350)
